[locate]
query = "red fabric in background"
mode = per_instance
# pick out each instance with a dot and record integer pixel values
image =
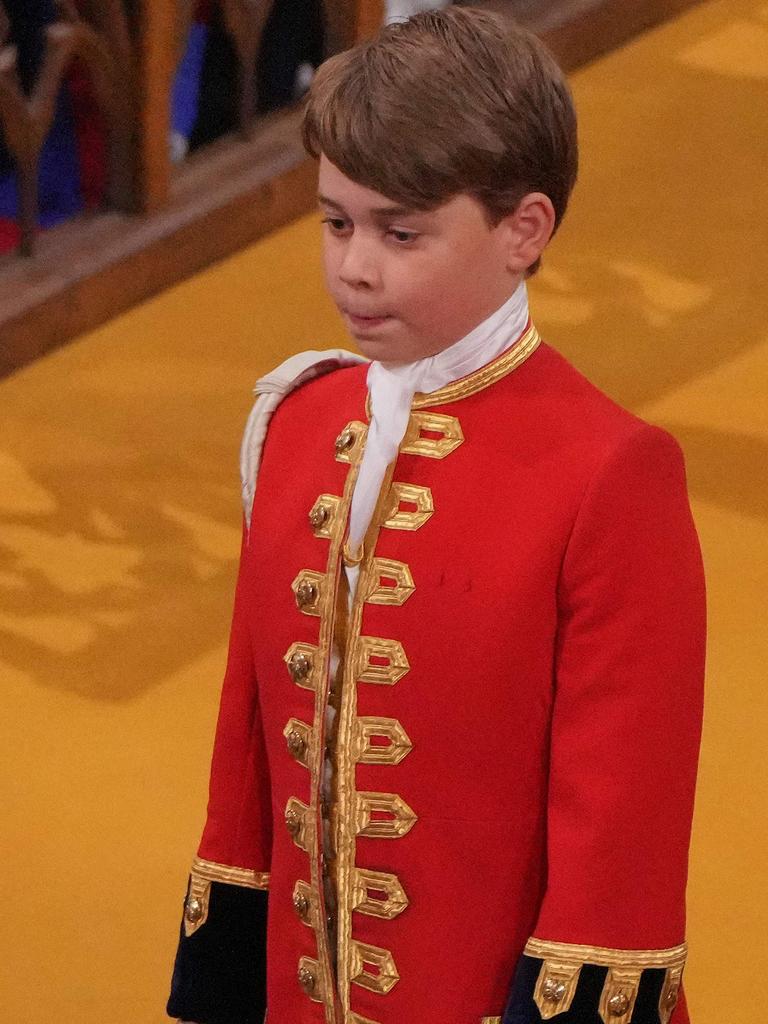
(91, 136)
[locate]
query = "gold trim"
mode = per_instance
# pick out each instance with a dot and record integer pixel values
(350, 814)
(670, 993)
(409, 494)
(490, 1020)
(368, 671)
(485, 376)
(543, 949)
(387, 568)
(617, 1000)
(321, 684)
(386, 976)
(414, 443)
(364, 881)
(302, 587)
(355, 1018)
(353, 452)
(327, 504)
(296, 821)
(213, 872)
(196, 904)
(367, 752)
(311, 967)
(563, 962)
(292, 661)
(399, 821)
(303, 895)
(352, 560)
(298, 736)
(556, 986)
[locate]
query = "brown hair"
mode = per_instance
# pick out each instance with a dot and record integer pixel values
(449, 102)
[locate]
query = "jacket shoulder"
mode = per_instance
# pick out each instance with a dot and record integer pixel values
(589, 416)
(295, 385)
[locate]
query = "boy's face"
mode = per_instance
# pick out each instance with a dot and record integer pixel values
(424, 280)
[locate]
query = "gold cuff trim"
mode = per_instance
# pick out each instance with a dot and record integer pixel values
(213, 872)
(642, 958)
(485, 376)
(562, 965)
(490, 1020)
(202, 873)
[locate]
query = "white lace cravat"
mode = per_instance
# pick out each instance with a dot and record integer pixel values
(392, 388)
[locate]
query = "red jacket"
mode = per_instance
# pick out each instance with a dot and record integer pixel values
(519, 715)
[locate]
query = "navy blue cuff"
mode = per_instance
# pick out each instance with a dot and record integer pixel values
(220, 972)
(584, 1009)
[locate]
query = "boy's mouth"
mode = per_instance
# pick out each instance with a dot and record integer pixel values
(366, 321)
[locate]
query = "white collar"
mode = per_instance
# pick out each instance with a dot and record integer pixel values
(393, 386)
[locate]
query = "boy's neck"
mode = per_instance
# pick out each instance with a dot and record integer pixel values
(484, 343)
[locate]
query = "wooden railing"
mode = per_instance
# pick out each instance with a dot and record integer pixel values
(131, 60)
(160, 220)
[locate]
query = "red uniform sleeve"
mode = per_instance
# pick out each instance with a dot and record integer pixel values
(238, 829)
(609, 943)
(220, 969)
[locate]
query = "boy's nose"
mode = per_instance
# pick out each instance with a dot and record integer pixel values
(358, 265)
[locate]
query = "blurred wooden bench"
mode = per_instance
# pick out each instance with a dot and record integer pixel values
(165, 221)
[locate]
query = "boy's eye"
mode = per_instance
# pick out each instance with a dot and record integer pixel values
(335, 222)
(403, 236)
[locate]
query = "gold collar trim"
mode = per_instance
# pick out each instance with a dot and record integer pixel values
(485, 376)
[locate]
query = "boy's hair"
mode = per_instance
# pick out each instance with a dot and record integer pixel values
(449, 102)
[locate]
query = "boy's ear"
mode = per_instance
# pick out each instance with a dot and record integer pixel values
(529, 230)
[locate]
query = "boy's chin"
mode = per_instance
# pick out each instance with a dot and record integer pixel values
(389, 348)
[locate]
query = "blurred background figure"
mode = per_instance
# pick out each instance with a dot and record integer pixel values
(398, 10)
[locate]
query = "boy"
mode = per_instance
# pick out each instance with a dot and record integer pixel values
(460, 721)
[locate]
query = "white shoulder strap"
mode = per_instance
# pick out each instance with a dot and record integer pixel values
(270, 391)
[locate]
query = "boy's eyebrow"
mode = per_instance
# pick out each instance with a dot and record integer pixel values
(381, 211)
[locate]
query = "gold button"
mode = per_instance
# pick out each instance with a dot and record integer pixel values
(194, 910)
(292, 822)
(301, 905)
(300, 666)
(554, 990)
(345, 441)
(307, 979)
(618, 1004)
(296, 743)
(319, 516)
(306, 594)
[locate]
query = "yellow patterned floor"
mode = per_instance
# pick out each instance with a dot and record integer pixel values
(119, 515)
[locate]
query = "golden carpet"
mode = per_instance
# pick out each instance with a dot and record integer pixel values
(119, 527)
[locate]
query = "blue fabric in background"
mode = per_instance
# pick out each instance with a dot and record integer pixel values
(59, 178)
(186, 87)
